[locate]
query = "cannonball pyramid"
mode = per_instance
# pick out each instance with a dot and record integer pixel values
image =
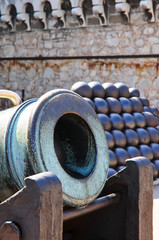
(131, 125)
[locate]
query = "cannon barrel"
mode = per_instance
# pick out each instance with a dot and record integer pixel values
(59, 132)
(14, 97)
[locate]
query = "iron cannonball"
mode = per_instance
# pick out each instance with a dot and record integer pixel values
(155, 111)
(144, 101)
(126, 105)
(114, 105)
(157, 121)
(117, 121)
(120, 168)
(156, 162)
(119, 138)
(90, 102)
(132, 138)
(101, 105)
(144, 136)
(133, 151)
(147, 109)
(122, 89)
(111, 172)
(146, 151)
(139, 119)
(155, 150)
(150, 119)
(82, 88)
(154, 135)
(110, 90)
(110, 140)
(105, 121)
(134, 92)
(59, 138)
(155, 171)
(97, 89)
(122, 156)
(129, 121)
(136, 104)
(112, 159)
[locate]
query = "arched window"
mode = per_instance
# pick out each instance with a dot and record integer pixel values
(29, 9)
(12, 12)
(47, 8)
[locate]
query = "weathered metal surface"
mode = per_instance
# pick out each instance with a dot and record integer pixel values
(83, 89)
(97, 89)
(132, 138)
(133, 151)
(139, 119)
(134, 92)
(119, 137)
(136, 104)
(105, 120)
(123, 89)
(146, 151)
(126, 105)
(122, 155)
(154, 136)
(112, 159)
(150, 119)
(129, 120)
(101, 106)
(117, 121)
(110, 139)
(59, 132)
(144, 136)
(110, 90)
(114, 105)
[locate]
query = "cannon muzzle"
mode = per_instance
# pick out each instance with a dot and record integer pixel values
(59, 132)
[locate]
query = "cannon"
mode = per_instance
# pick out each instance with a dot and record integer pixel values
(61, 133)
(60, 139)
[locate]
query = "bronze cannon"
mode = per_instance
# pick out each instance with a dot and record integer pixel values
(59, 132)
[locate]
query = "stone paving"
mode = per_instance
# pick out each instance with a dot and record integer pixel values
(156, 210)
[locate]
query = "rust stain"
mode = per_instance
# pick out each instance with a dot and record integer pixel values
(36, 66)
(65, 63)
(157, 68)
(20, 64)
(55, 67)
(1, 66)
(118, 65)
(42, 67)
(91, 64)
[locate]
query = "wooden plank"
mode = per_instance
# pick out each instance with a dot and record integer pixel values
(9, 231)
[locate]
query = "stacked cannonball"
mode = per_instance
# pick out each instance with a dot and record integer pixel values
(131, 126)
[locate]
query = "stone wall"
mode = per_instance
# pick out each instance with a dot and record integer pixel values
(117, 40)
(38, 61)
